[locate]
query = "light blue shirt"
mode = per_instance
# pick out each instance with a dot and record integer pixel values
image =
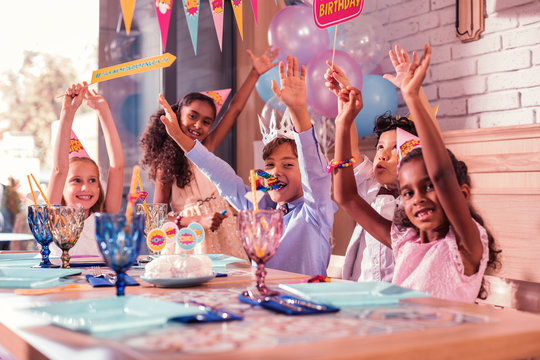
(304, 246)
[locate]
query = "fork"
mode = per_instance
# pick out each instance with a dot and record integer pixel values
(98, 272)
(258, 297)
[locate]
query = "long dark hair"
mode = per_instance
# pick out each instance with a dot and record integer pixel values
(160, 151)
(462, 174)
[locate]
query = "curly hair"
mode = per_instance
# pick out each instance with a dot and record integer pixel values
(460, 168)
(387, 122)
(98, 206)
(161, 152)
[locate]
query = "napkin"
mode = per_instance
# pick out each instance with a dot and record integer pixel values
(212, 314)
(102, 282)
(275, 305)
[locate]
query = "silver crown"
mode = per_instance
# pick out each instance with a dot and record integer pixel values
(276, 126)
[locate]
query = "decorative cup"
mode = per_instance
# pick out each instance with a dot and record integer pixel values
(37, 222)
(155, 216)
(65, 224)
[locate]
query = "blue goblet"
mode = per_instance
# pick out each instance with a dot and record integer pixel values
(119, 243)
(37, 222)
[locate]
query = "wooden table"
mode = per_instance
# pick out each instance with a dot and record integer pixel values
(458, 331)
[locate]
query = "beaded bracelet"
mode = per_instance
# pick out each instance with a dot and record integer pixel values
(340, 164)
(178, 219)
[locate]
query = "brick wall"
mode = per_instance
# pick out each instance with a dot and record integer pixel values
(494, 81)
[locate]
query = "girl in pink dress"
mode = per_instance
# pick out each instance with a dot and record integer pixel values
(439, 244)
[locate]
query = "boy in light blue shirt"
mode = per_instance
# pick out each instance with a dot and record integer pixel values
(300, 169)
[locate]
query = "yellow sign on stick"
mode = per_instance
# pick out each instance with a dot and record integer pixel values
(132, 67)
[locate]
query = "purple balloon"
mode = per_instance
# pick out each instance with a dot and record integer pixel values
(318, 96)
(293, 30)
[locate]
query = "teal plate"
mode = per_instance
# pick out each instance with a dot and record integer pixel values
(113, 314)
(352, 293)
(32, 278)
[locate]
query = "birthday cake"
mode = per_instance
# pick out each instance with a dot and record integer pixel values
(181, 267)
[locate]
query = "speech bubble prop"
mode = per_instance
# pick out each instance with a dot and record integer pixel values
(198, 230)
(330, 12)
(186, 239)
(156, 240)
(133, 67)
(171, 231)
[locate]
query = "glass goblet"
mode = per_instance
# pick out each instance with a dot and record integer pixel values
(155, 216)
(260, 232)
(37, 222)
(65, 224)
(119, 243)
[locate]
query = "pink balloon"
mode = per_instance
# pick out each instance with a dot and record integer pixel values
(295, 32)
(318, 96)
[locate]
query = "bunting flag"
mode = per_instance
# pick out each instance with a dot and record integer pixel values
(132, 67)
(218, 12)
(219, 97)
(254, 7)
(237, 9)
(127, 12)
(75, 147)
(191, 8)
(163, 11)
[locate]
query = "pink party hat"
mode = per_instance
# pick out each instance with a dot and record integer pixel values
(75, 147)
(406, 142)
(219, 97)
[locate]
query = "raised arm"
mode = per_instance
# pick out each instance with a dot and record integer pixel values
(293, 93)
(452, 196)
(345, 191)
(72, 100)
(115, 180)
(261, 64)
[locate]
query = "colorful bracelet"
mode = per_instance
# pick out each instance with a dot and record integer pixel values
(178, 219)
(340, 164)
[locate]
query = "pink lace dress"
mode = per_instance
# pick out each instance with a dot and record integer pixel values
(201, 197)
(435, 268)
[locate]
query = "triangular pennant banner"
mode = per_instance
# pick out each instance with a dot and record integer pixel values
(163, 11)
(237, 9)
(75, 147)
(127, 12)
(218, 12)
(191, 8)
(254, 7)
(219, 97)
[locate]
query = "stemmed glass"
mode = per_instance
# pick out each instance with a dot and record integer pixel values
(155, 216)
(65, 224)
(37, 222)
(119, 243)
(260, 232)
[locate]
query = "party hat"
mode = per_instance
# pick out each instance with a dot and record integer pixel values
(406, 142)
(276, 126)
(219, 97)
(75, 147)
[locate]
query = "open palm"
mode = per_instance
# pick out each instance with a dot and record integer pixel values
(293, 84)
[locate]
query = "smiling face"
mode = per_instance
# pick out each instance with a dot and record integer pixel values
(196, 119)
(283, 164)
(420, 200)
(386, 160)
(82, 185)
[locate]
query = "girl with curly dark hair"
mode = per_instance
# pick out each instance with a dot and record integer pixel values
(192, 197)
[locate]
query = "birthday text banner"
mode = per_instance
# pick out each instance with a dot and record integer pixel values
(332, 12)
(133, 67)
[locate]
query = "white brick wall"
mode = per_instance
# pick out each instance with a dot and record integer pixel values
(494, 81)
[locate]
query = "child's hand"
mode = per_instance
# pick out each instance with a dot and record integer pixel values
(211, 221)
(93, 99)
(169, 119)
(293, 88)
(412, 82)
(349, 103)
(336, 79)
(263, 63)
(73, 97)
(402, 63)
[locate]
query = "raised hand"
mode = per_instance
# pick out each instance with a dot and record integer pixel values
(73, 97)
(349, 103)
(93, 99)
(412, 82)
(402, 62)
(336, 79)
(263, 63)
(293, 88)
(169, 119)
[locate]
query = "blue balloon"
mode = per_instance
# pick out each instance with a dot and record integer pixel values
(379, 96)
(264, 84)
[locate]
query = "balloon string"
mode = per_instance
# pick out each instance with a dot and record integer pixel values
(334, 49)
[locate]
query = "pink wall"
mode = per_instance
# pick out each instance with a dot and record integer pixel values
(494, 81)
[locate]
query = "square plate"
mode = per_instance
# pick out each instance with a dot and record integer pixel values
(32, 278)
(113, 314)
(352, 293)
